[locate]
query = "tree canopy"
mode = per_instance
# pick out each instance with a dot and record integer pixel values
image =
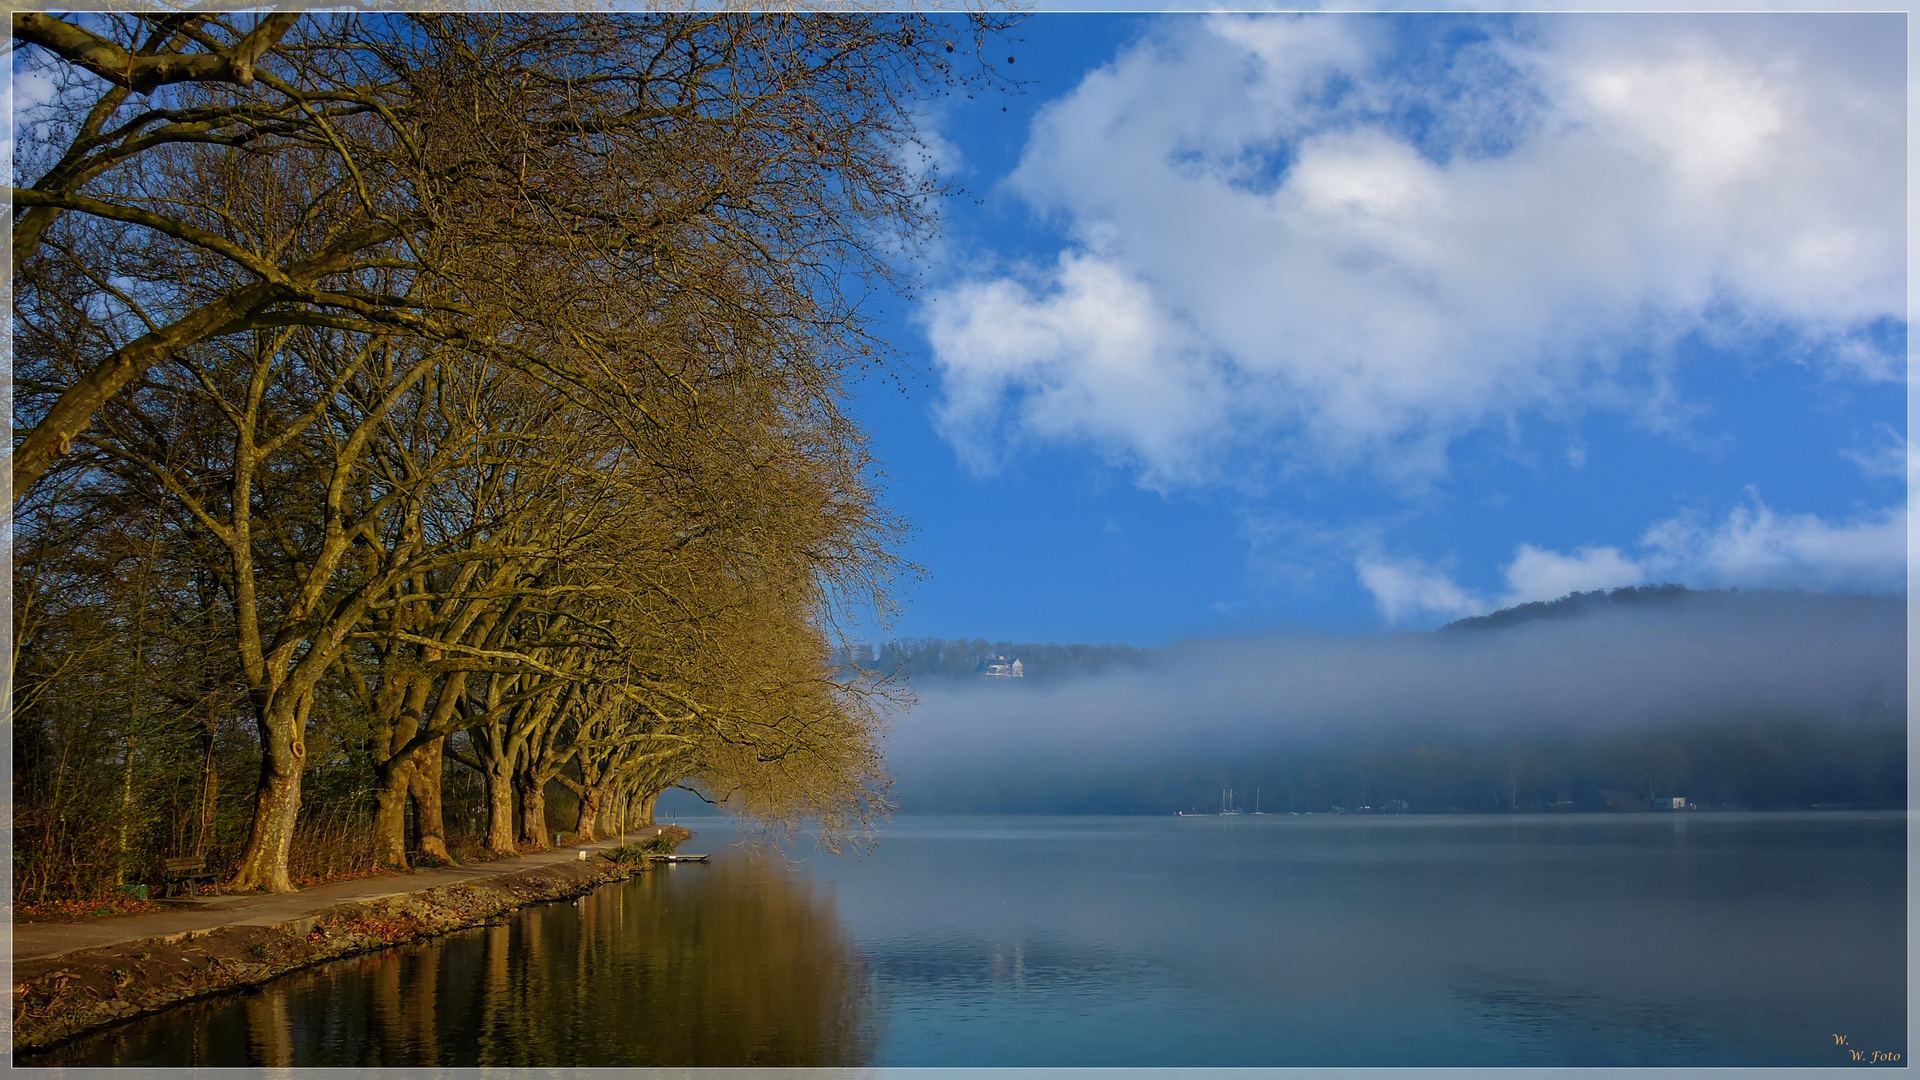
(392, 389)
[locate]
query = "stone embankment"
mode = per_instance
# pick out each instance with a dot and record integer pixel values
(58, 997)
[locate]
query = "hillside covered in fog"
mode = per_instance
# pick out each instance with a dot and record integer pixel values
(1597, 701)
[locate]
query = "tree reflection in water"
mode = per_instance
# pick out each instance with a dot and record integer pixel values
(736, 963)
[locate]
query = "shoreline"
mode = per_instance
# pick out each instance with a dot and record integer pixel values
(61, 997)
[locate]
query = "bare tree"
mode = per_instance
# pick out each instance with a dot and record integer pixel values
(602, 144)
(492, 367)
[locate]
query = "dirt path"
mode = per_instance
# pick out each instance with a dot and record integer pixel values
(32, 941)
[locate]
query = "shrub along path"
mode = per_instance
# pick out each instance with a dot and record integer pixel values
(44, 939)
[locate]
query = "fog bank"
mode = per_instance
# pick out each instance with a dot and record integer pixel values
(1593, 699)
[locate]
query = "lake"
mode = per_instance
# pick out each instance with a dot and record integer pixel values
(1678, 939)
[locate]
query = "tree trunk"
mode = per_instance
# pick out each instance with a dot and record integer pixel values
(646, 808)
(276, 809)
(499, 808)
(584, 830)
(609, 822)
(429, 809)
(533, 813)
(390, 819)
(209, 788)
(126, 813)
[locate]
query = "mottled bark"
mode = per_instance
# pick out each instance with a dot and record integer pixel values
(429, 808)
(533, 812)
(499, 808)
(276, 810)
(391, 781)
(145, 72)
(585, 829)
(393, 771)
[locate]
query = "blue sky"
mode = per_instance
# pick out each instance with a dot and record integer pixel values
(1365, 323)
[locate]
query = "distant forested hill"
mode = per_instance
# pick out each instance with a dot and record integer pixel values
(1577, 604)
(921, 657)
(910, 658)
(1651, 598)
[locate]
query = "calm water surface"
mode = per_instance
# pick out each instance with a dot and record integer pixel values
(1673, 939)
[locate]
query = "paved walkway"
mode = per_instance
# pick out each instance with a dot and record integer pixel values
(32, 940)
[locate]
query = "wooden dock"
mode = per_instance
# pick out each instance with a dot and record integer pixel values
(680, 858)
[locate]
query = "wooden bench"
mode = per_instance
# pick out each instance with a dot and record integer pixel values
(190, 875)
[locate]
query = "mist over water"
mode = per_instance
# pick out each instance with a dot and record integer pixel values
(1683, 686)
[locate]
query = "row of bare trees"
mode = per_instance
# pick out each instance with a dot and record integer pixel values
(416, 388)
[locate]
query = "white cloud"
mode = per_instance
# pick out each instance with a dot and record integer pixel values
(927, 150)
(27, 93)
(1538, 574)
(1756, 547)
(1752, 547)
(1098, 363)
(42, 100)
(1407, 589)
(1266, 270)
(1889, 458)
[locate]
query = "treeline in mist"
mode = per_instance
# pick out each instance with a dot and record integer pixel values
(910, 658)
(1762, 764)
